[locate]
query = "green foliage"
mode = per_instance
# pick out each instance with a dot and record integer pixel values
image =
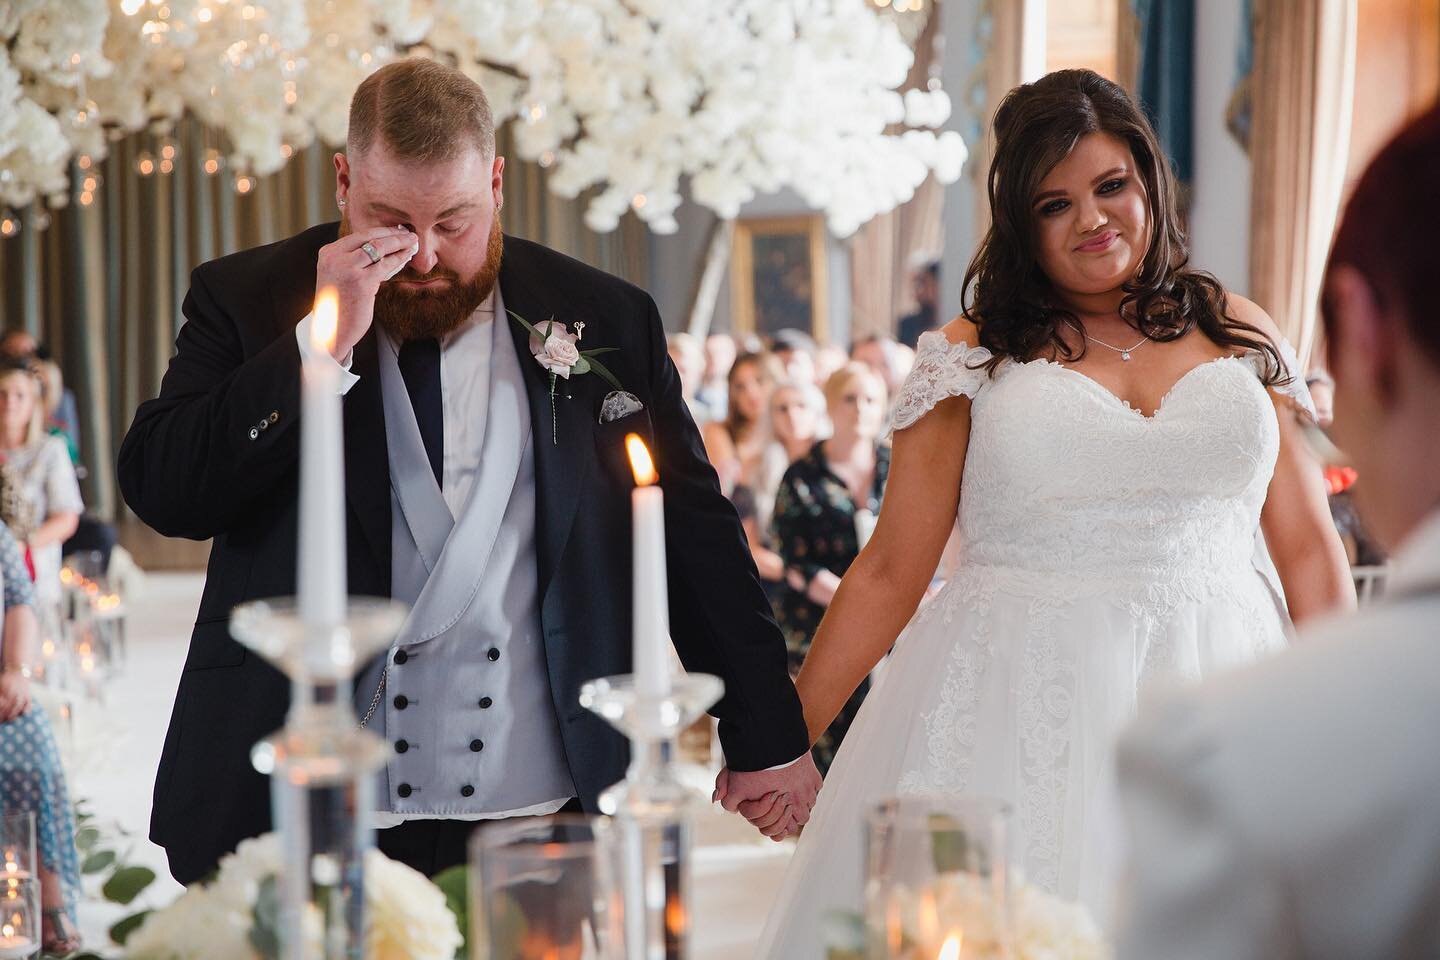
(455, 884)
(121, 931)
(98, 862)
(127, 883)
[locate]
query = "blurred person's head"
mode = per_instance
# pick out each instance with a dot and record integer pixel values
(18, 345)
(420, 153)
(1322, 394)
(828, 359)
(720, 354)
(689, 360)
(751, 377)
(879, 354)
(52, 386)
(21, 415)
(796, 413)
(1382, 334)
(795, 349)
(855, 399)
(925, 285)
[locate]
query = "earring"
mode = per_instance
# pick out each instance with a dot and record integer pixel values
(339, 201)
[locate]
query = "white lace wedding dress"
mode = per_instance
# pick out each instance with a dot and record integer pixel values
(1104, 551)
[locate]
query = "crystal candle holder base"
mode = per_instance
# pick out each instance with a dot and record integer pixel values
(652, 807)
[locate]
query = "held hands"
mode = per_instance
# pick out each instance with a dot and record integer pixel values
(14, 695)
(356, 276)
(776, 802)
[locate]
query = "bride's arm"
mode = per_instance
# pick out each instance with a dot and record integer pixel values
(1299, 529)
(884, 585)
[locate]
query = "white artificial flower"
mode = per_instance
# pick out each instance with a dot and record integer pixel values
(408, 916)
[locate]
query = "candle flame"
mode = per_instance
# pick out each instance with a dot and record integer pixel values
(951, 949)
(640, 462)
(326, 323)
(676, 922)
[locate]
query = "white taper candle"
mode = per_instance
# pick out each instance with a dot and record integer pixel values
(321, 550)
(651, 595)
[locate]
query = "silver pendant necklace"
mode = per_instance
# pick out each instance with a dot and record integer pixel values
(1123, 351)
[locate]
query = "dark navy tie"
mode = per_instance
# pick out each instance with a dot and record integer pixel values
(420, 367)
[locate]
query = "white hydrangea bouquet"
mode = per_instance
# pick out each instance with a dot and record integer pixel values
(956, 917)
(233, 916)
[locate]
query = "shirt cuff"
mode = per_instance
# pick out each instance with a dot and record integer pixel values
(785, 766)
(302, 339)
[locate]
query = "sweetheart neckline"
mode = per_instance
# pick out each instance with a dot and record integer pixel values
(1125, 404)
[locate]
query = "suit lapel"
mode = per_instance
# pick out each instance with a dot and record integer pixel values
(563, 444)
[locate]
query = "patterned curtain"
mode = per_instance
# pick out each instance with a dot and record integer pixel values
(102, 286)
(1302, 95)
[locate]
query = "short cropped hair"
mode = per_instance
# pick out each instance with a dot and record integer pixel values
(422, 110)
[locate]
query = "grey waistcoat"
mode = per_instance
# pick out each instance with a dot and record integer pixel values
(467, 704)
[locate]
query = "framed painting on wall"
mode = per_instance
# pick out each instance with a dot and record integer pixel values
(777, 275)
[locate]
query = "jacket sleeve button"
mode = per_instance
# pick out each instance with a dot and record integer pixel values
(254, 433)
(274, 416)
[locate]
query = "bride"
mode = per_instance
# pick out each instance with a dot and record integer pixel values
(1111, 427)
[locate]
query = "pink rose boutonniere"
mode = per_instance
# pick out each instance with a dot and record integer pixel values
(556, 349)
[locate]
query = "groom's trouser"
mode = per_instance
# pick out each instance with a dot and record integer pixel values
(432, 846)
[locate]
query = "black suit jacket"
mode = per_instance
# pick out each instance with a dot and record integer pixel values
(217, 455)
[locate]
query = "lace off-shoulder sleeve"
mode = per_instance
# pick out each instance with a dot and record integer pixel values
(1294, 389)
(942, 369)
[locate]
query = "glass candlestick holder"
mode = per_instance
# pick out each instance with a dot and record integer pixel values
(322, 768)
(652, 808)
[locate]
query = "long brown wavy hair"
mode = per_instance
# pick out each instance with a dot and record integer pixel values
(1009, 297)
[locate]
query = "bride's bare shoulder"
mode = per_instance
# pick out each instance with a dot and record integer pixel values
(962, 330)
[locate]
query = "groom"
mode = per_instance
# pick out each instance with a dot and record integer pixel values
(498, 510)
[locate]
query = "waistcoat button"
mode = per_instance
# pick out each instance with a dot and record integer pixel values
(403, 790)
(401, 702)
(467, 791)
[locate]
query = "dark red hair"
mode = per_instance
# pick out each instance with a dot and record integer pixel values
(1387, 233)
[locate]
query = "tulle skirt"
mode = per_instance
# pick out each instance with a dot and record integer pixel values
(1013, 685)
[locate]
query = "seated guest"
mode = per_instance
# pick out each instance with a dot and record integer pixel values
(20, 347)
(1291, 810)
(736, 445)
(795, 349)
(795, 414)
(46, 477)
(828, 359)
(684, 351)
(52, 395)
(32, 779)
(815, 525)
(882, 355)
(720, 353)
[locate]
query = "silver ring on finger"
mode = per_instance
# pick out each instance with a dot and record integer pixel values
(371, 252)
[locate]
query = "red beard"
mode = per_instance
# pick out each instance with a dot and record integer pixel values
(417, 313)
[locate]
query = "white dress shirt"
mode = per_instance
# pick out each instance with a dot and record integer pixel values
(464, 389)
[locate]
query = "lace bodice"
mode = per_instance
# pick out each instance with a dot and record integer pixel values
(1067, 485)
